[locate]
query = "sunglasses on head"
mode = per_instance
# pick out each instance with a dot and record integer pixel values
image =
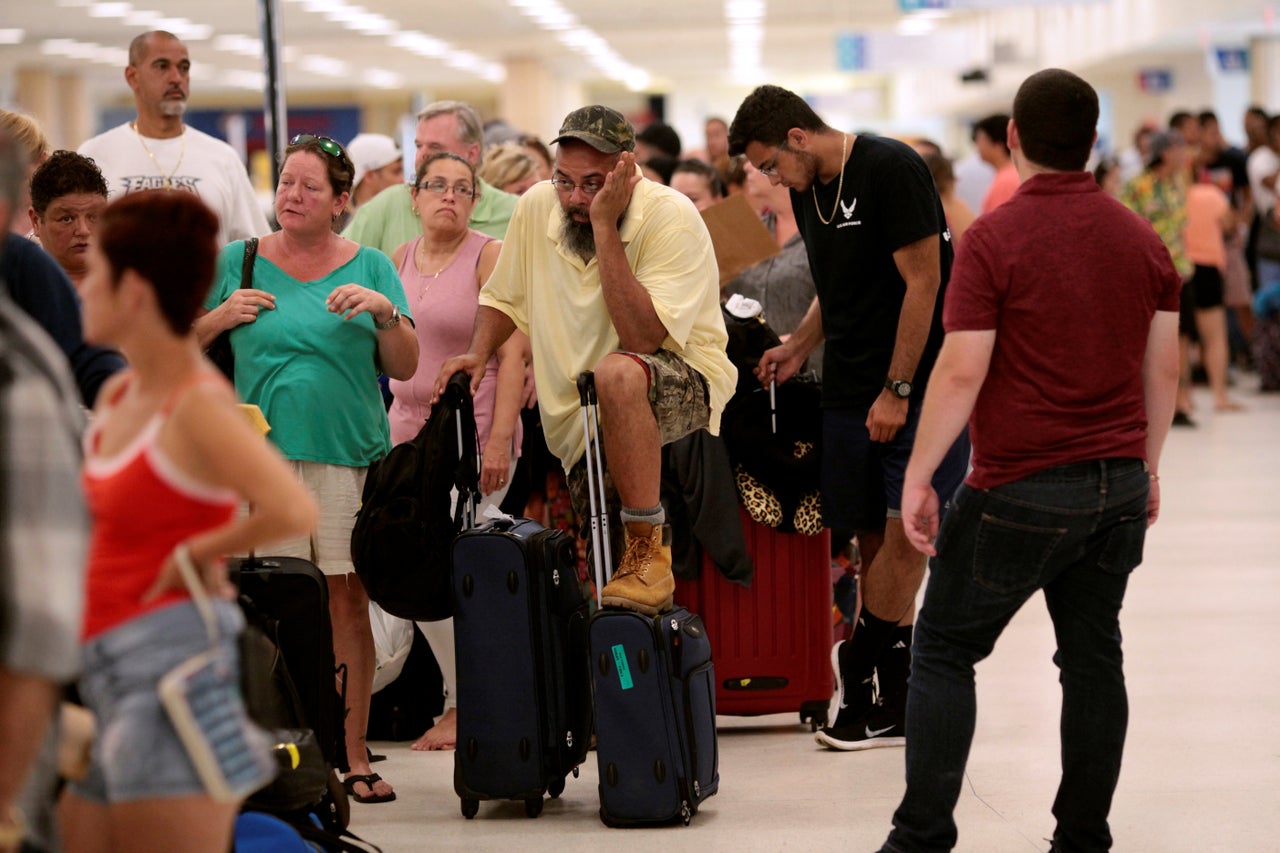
(327, 145)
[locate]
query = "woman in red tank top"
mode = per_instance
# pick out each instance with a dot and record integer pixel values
(168, 458)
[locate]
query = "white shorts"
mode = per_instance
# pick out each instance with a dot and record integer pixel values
(337, 490)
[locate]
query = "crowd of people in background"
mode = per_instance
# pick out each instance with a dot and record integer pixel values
(402, 247)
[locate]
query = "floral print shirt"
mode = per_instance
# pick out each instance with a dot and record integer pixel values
(1163, 203)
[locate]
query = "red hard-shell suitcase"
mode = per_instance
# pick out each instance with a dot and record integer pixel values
(771, 644)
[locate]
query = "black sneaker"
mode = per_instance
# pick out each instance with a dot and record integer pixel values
(879, 727)
(848, 705)
(1182, 419)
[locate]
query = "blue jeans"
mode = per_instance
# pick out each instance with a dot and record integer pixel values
(1075, 531)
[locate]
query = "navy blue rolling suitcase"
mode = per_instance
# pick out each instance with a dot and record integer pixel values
(524, 695)
(653, 687)
(655, 716)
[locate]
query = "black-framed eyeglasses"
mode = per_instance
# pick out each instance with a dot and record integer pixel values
(440, 187)
(769, 168)
(564, 185)
(327, 145)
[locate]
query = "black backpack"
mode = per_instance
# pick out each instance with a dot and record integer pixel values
(400, 544)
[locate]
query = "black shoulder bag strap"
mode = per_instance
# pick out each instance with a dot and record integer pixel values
(246, 268)
(220, 351)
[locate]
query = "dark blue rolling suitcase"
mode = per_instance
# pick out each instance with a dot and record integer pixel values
(524, 695)
(655, 716)
(653, 687)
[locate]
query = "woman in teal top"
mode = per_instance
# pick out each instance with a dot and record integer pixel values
(323, 318)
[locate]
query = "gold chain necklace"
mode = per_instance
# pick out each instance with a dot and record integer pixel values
(182, 152)
(422, 247)
(844, 148)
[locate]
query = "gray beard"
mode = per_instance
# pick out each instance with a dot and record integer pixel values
(173, 108)
(579, 238)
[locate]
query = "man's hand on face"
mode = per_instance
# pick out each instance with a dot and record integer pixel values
(615, 195)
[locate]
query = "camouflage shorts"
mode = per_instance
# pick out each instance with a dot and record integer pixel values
(680, 401)
(678, 395)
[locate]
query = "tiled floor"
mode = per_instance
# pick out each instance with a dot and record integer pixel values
(1202, 766)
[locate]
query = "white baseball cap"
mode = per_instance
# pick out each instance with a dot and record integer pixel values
(369, 152)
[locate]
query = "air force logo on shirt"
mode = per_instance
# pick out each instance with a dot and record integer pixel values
(847, 210)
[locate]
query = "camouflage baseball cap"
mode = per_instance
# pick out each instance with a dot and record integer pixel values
(602, 128)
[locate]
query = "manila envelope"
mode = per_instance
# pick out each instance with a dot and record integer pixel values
(738, 236)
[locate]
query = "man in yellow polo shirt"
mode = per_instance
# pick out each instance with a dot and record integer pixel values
(608, 271)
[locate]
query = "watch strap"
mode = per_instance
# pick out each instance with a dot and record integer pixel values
(391, 323)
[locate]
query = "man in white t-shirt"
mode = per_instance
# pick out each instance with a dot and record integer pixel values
(158, 150)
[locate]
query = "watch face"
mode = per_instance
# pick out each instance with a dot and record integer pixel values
(902, 389)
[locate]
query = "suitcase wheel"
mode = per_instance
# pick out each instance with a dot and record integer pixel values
(533, 807)
(556, 787)
(815, 714)
(470, 808)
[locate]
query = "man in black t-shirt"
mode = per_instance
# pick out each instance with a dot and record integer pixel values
(880, 253)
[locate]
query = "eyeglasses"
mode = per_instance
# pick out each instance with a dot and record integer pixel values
(327, 145)
(440, 187)
(564, 185)
(769, 168)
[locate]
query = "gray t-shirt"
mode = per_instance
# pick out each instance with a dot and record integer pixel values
(783, 285)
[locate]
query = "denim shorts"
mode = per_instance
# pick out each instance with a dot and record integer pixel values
(137, 754)
(861, 479)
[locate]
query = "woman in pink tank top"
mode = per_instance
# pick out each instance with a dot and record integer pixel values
(442, 272)
(168, 458)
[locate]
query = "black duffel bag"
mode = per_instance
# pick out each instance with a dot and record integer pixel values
(400, 544)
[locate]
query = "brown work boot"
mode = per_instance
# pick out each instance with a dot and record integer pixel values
(643, 581)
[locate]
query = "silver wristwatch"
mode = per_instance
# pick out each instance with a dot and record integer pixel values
(392, 323)
(900, 387)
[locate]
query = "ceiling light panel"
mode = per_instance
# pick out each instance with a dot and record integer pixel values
(551, 16)
(109, 10)
(358, 19)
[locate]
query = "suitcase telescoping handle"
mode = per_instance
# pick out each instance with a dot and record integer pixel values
(459, 390)
(602, 559)
(773, 406)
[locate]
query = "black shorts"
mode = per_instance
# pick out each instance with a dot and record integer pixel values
(1199, 293)
(862, 479)
(1206, 287)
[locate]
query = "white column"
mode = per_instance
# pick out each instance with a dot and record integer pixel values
(535, 100)
(36, 96)
(1264, 62)
(75, 116)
